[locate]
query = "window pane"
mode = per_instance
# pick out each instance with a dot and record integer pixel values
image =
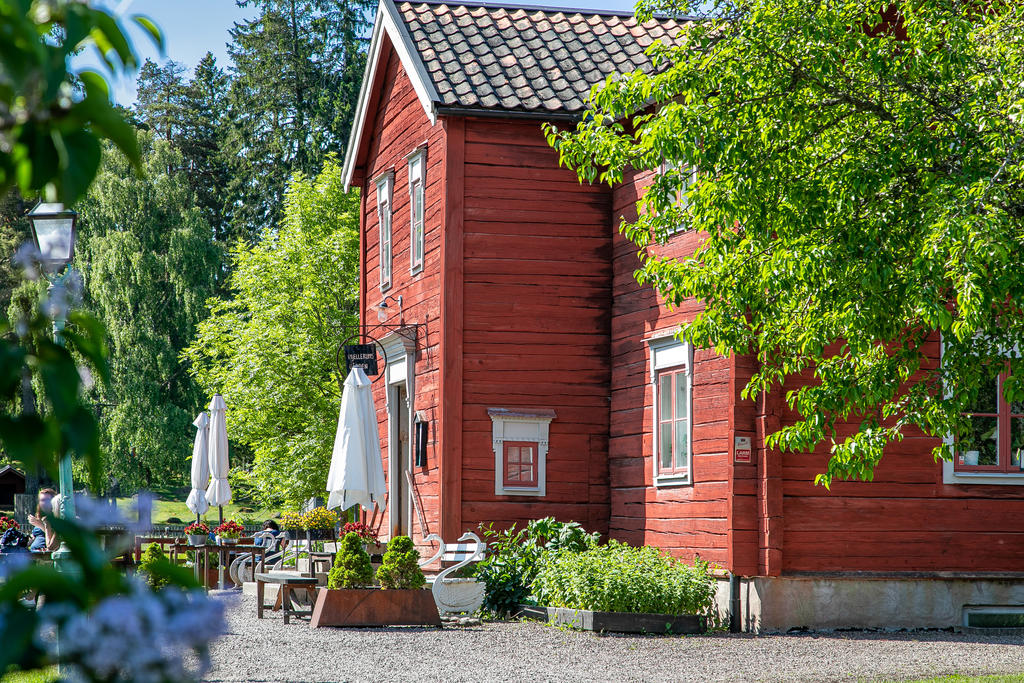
(1016, 441)
(681, 410)
(987, 401)
(512, 455)
(665, 397)
(526, 455)
(981, 446)
(665, 446)
(681, 442)
(525, 473)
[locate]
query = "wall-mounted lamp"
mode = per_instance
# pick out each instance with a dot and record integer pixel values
(422, 434)
(382, 307)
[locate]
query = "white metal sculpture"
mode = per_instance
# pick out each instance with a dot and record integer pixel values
(440, 550)
(460, 595)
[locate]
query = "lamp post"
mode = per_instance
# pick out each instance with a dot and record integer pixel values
(53, 231)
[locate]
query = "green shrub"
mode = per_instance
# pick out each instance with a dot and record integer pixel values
(621, 578)
(351, 565)
(154, 565)
(400, 566)
(514, 557)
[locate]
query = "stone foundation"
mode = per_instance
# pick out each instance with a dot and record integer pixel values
(770, 604)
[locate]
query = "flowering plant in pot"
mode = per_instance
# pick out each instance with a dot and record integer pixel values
(6, 523)
(291, 522)
(197, 533)
(367, 535)
(229, 531)
(320, 523)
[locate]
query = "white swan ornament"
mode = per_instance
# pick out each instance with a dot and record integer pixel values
(440, 550)
(460, 595)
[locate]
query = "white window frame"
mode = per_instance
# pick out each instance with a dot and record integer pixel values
(417, 193)
(517, 424)
(385, 233)
(666, 353)
(682, 195)
(949, 473)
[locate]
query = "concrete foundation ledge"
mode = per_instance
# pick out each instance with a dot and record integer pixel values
(828, 602)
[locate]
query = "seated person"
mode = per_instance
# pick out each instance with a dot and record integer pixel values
(271, 527)
(44, 538)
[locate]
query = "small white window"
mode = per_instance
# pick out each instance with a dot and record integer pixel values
(689, 180)
(417, 194)
(672, 389)
(384, 186)
(520, 443)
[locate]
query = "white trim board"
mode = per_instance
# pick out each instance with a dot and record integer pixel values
(388, 22)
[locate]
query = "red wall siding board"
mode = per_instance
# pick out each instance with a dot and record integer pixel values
(549, 314)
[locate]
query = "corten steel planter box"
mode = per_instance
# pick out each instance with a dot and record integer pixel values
(374, 607)
(617, 622)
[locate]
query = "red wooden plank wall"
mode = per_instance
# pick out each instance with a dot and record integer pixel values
(905, 520)
(687, 520)
(398, 127)
(537, 286)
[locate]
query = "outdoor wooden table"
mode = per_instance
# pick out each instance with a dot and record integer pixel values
(286, 582)
(224, 553)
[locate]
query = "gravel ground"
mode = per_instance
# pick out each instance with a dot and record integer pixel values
(267, 650)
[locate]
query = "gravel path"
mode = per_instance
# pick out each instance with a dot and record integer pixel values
(267, 650)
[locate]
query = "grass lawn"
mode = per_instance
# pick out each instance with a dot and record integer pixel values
(164, 508)
(37, 676)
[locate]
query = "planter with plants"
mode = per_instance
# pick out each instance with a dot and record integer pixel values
(291, 522)
(229, 532)
(400, 600)
(618, 587)
(6, 524)
(320, 524)
(198, 533)
(369, 537)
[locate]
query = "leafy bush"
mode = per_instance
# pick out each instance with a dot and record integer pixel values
(621, 578)
(514, 557)
(154, 565)
(400, 567)
(351, 565)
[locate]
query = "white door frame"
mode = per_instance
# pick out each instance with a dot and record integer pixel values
(400, 371)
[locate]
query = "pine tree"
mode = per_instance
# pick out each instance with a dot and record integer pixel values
(160, 92)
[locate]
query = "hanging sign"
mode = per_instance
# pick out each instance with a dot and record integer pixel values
(741, 449)
(362, 356)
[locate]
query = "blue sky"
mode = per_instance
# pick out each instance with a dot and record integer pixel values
(193, 27)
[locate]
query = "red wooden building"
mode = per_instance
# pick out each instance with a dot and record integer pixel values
(542, 380)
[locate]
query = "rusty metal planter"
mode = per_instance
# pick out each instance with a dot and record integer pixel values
(374, 607)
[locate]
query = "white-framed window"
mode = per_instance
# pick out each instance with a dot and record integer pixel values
(385, 184)
(689, 180)
(520, 442)
(672, 392)
(417, 201)
(993, 450)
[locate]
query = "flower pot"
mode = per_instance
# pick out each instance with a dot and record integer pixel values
(374, 607)
(320, 534)
(227, 541)
(197, 539)
(294, 534)
(971, 457)
(375, 548)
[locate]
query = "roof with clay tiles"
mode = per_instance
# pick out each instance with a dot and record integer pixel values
(526, 59)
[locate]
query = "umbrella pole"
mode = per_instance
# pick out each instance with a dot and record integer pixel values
(221, 509)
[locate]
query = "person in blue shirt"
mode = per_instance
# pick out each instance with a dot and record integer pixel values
(43, 536)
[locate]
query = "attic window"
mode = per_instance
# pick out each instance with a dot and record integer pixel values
(520, 443)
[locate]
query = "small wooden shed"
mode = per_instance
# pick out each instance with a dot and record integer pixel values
(12, 481)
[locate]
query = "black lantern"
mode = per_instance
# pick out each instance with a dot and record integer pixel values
(53, 230)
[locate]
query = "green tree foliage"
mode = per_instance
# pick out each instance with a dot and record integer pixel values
(153, 566)
(352, 568)
(296, 75)
(149, 264)
(399, 568)
(160, 97)
(271, 348)
(50, 139)
(861, 190)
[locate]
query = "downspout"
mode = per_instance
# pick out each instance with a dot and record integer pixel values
(735, 623)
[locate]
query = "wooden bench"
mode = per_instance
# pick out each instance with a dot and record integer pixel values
(286, 582)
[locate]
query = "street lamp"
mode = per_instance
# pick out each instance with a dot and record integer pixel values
(53, 231)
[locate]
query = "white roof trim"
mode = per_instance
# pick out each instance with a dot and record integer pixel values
(388, 20)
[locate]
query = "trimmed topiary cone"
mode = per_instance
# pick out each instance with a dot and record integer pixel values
(400, 567)
(351, 565)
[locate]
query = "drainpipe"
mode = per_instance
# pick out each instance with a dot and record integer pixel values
(735, 623)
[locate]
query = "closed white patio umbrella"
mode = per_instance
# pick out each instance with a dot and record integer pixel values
(200, 467)
(219, 491)
(356, 476)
